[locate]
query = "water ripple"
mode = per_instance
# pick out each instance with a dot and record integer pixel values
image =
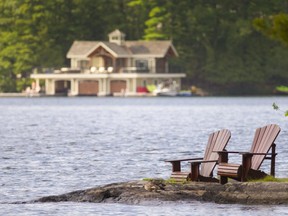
(55, 145)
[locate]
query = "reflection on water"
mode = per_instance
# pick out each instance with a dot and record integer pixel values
(55, 145)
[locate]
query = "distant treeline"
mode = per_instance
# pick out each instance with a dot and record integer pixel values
(222, 44)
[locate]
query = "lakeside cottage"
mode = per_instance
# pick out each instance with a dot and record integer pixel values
(113, 67)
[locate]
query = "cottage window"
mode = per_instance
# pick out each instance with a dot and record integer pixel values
(82, 64)
(141, 64)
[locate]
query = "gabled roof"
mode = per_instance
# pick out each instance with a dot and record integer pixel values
(81, 49)
(156, 49)
(153, 48)
(113, 48)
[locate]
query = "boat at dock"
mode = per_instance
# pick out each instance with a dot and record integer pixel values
(168, 88)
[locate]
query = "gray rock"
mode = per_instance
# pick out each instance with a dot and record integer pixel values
(138, 192)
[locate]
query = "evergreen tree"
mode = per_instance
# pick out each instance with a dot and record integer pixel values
(218, 41)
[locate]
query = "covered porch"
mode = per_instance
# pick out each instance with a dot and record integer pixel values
(100, 84)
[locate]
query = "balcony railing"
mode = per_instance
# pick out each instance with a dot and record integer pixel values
(134, 70)
(100, 70)
(117, 70)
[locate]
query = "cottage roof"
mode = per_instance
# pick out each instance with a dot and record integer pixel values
(82, 49)
(116, 32)
(153, 48)
(117, 50)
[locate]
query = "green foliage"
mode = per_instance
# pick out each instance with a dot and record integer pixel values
(22, 83)
(147, 179)
(158, 17)
(274, 26)
(21, 38)
(168, 181)
(276, 107)
(218, 42)
(270, 179)
(7, 84)
(173, 181)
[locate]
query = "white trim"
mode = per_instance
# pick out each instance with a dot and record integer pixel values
(173, 48)
(103, 76)
(103, 45)
(84, 57)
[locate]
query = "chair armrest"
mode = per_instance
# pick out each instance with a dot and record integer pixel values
(257, 153)
(241, 153)
(186, 159)
(232, 152)
(203, 161)
(245, 153)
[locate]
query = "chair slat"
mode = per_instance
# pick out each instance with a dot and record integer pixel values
(264, 137)
(263, 141)
(216, 142)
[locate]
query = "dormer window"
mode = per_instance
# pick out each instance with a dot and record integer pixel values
(117, 37)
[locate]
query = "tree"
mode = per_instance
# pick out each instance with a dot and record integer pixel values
(218, 45)
(14, 49)
(274, 26)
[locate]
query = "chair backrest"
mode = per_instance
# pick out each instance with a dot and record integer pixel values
(217, 142)
(263, 139)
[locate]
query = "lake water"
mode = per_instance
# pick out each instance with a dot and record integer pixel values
(51, 146)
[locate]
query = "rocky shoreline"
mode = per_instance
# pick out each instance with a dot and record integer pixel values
(137, 192)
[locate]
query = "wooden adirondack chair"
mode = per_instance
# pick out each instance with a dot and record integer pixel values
(251, 161)
(217, 142)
